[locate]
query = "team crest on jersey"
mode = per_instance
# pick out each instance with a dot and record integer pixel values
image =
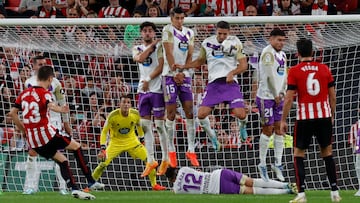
(217, 51)
(124, 131)
(184, 40)
(147, 62)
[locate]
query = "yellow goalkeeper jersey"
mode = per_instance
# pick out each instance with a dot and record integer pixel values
(122, 129)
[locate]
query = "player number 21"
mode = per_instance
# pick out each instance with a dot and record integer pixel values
(31, 112)
(194, 183)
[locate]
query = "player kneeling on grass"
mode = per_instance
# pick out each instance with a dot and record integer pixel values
(35, 103)
(224, 181)
(122, 124)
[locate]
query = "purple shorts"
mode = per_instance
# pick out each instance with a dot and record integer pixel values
(172, 90)
(219, 91)
(230, 182)
(151, 101)
(269, 111)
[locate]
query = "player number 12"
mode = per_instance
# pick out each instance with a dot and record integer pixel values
(194, 183)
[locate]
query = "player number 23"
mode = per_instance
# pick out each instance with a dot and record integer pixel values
(30, 112)
(193, 182)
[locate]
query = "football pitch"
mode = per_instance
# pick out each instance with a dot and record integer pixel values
(169, 197)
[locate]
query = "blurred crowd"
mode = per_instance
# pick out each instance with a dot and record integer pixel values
(158, 8)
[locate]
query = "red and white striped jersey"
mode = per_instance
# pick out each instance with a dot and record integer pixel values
(113, 12)
(184, 4)
(33, 104)
(230, 8)
(312, 81)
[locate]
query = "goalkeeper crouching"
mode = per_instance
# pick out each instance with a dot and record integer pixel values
(121, 124)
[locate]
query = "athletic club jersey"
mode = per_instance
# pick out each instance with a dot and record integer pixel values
(220, 63)
(33, 104)
(113, 12)
(230, 8)
(122, 129)
(58, 97)
(181, 41)
(312, 81)
(191, 181)
(272, 73)
(148, 66)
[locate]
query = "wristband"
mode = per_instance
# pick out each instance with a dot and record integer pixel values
(103, 147)
(147, 79)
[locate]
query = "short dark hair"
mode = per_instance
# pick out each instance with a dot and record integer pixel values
(45, 72)
(126, 96)
(35, 59)
(147, 24)
(177, 10)
(223, 25)
(304, 47)
(277, 32)
(171, 173)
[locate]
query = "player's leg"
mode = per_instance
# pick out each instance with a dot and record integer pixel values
(204, 120)
(139, 152)
(80, 159)
(151, 163)
(211, 98)
(32, 177)
(61, 181)
(302, 139)
(160, 127)
(111, 153)
(278, 143)
(357, 168)
(170, 94)
(159, 113)
(323, 133)
(186, 98)
(267, 120)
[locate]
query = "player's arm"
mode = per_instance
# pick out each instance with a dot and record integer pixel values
(15, 117)
(268, 62)
(139, 56)
(60, 97)
(158, 70)
(201, 59)
(289, 97)
(168, 44)
(190, 50)
(332, 99)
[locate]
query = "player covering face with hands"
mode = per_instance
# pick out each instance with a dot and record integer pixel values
(35, 103)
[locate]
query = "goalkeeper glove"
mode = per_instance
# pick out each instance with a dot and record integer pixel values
(102, 153)
(142, 140)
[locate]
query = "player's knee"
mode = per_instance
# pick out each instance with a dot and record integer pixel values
(32, 152)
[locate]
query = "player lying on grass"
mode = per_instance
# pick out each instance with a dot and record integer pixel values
(224, 181)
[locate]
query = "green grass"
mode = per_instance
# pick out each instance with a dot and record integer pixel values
(169, 197)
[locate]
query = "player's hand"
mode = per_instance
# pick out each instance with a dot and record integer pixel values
(283, 127)
(229, 78)
(145, 87)
(65, 109)
(102, 155)
(68, 128)
(278, 100)
(179, 78)
(142, 140)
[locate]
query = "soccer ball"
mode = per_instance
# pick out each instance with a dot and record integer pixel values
(228, 47)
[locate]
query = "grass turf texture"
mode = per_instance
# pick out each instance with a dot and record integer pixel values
(169, 197)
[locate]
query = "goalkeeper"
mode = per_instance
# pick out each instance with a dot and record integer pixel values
(122, 123)
(223, 54)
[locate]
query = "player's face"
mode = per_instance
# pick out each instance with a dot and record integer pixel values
(49, 81)
(148, 34)
(277, 42)
(178, 20)
(38, 64)
(222, 34)
(125, 104)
